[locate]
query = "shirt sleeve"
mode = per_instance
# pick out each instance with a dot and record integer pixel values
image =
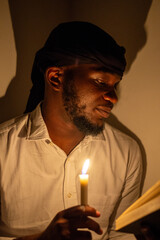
(131, 191)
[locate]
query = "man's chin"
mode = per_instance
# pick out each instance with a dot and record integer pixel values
(88, 128)
(95, 132)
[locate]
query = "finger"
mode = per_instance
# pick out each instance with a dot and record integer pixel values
(79, 235)
(62, 227)
(147, 233)
(86, 222)
(80, 211)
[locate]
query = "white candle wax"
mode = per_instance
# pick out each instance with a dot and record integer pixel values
(84, 183)
(84, 188)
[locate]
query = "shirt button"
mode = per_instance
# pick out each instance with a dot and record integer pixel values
(69, 195)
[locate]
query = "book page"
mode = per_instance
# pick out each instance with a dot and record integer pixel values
(138, 213)
(147, 196)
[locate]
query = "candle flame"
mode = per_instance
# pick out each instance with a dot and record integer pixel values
(85, 166)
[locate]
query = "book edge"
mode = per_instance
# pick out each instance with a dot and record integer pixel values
(151, 193)
(138, 213)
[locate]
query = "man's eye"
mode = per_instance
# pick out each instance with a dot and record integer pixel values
(100, 82)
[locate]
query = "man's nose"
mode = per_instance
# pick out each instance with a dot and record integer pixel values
(111, 96)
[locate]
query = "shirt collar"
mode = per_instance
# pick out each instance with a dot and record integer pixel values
(89, 138)
(36, 128)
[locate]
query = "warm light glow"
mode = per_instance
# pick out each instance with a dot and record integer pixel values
(85, 166)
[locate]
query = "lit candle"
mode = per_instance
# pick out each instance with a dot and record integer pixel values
(84, 183)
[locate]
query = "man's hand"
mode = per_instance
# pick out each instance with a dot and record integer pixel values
(67, 224)
(148, 233)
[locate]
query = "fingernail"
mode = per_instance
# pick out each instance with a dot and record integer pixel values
(100, 231)
(98, 213)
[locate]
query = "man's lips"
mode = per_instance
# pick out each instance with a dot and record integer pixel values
(103, 111)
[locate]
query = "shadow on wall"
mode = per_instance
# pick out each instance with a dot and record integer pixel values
(123, 19)
(33, 20)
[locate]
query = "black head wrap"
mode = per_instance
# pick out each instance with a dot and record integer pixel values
(74, 43)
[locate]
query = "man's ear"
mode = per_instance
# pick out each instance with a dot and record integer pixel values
(53, 76)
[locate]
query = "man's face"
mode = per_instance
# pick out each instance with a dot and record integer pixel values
(88, 96)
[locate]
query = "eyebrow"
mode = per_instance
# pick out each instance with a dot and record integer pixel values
(103, 69)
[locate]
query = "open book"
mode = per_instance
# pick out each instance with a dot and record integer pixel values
(146, 209)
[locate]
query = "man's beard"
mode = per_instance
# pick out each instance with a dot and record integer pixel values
(76, 112)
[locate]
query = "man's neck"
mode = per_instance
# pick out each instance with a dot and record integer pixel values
(63, 133)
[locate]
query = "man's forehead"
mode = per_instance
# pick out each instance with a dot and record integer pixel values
(93, 70)
(89, 67)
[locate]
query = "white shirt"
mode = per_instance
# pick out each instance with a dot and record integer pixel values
(38, 179)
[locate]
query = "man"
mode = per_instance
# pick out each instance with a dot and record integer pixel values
(42, 152)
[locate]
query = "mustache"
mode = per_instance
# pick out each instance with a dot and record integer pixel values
(108, 104)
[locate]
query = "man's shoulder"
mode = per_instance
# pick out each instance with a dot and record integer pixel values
(118, 136)
(13, 123)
